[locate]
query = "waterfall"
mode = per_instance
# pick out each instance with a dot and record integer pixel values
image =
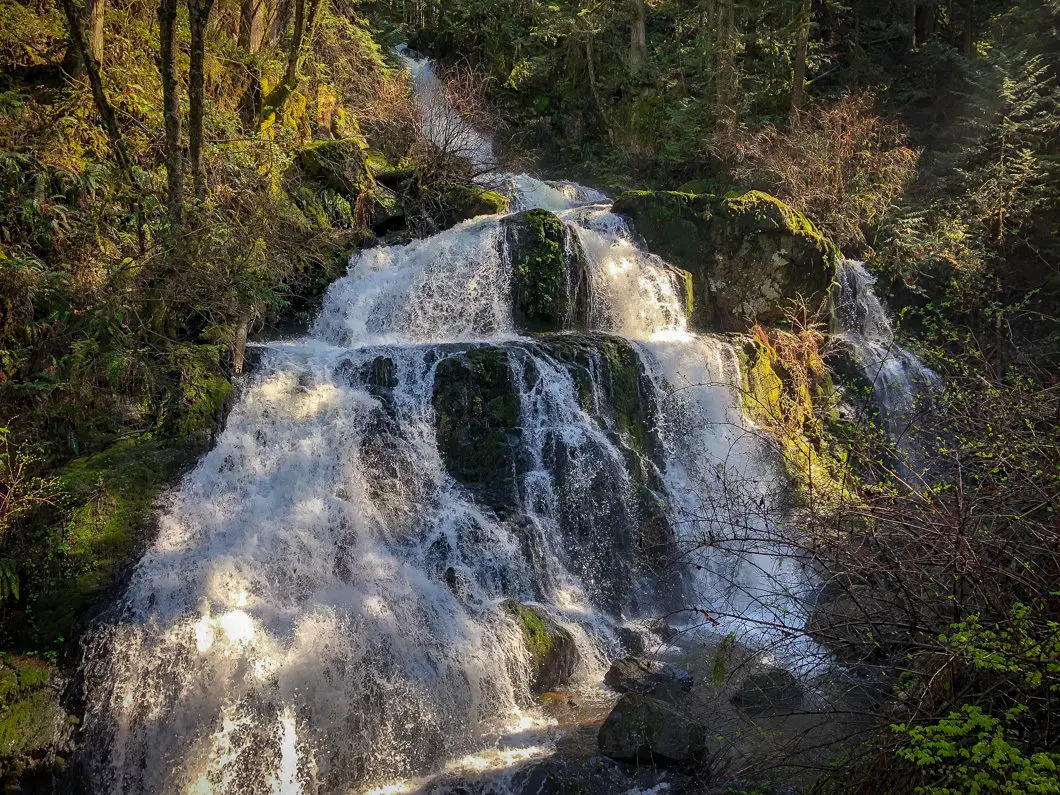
(899, 380)
(324, 606)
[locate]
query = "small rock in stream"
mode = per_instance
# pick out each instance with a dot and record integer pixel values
(641, 675)
(646, 729)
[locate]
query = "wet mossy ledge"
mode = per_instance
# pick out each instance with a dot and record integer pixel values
(99, 512)
(750, 254)
(551, 648)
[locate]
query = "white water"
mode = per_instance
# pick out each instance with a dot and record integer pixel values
(899, 379)
(322, 608)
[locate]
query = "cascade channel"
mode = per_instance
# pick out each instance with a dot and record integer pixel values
(337, 595)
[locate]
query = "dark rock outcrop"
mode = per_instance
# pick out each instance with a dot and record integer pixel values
(553, 653)
(647, 729)
(650, 677)
(768, 690)
(749, 254)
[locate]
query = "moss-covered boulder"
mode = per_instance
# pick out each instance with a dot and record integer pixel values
(549, 279)
(466, 201)
(788, 392)
(750, 254)
(340, 165)
(476, 411)
(553, 652)
(110, 496)
(32, 722)
(645, 729)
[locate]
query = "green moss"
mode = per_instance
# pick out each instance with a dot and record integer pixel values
(204, 390)
(468, 202)
(536, 633)
(340, 165)
(110, 495)
(759, 212)
(476, 417)
(30, 714)
(791, 412)
(538, 262)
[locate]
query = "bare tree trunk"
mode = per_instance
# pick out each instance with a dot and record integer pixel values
(593, 88)
(969, 29)
(251, 24)
(198, 16)
(295, 53)
(167, 24)
(638, 38)
(82, 55)
(726, 64)
(802, 46)
(97, 9)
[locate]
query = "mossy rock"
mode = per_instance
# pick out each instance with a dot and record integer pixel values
(675, 225)
(203, 394)
(553, 652)
(465, 201)
(796, 412)
(111, 496)
(476, 411)
(751, 255)
(549, 279)
(340, 165)
(32, 722)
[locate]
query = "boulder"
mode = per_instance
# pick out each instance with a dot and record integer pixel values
(749, 254)
(856, 622)
(647, 729)
(476, 411)
(465, 202)
(553, 652)
(549, 281)
(651, 677)
(340, 165)
(768, 690)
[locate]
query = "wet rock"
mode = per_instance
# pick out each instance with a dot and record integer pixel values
(553, 652)
(855, 622)
(769, 690)
(748, 254)
(477, 417)
(550, 289)
(647, 729)
(595, 776)
(651, 677)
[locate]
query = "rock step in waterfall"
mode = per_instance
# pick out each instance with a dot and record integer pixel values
(495, 457)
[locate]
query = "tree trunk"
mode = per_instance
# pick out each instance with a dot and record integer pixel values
(638, 37)
(969, 29)
(80, 53)
(167, 24)
(593, 88)
(726, 64)
(251, 26)
(97, 9)
(295, 53)
(802, 46)
(198, 16)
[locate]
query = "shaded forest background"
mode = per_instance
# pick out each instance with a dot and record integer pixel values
(176, 176)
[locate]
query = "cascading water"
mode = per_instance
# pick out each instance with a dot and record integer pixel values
(326, 607)
(898, 378)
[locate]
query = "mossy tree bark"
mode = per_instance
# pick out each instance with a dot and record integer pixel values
(167, 26)
(802, 46)
(198, 17)
(638, 39)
